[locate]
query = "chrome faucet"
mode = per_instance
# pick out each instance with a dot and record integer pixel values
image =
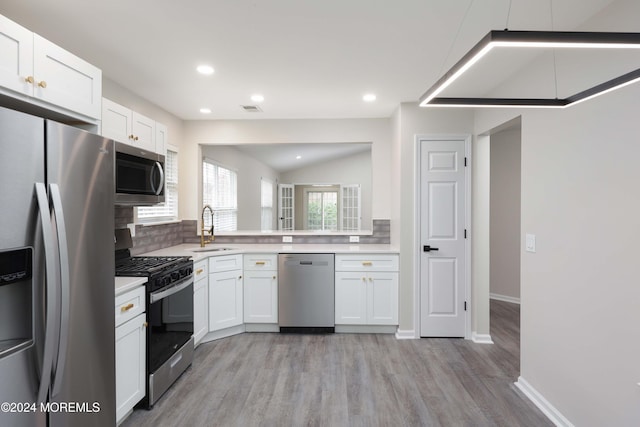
(211, 236)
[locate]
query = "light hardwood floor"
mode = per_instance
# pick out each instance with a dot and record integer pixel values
(351, 380)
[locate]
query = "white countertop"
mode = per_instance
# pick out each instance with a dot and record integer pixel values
(124, 284)
(187, 249)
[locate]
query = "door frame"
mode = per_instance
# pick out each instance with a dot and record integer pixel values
(417, 151)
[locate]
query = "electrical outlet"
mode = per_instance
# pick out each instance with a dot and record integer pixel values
(354, 239)
(287, 239)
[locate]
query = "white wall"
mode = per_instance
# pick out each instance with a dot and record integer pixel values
(376, 131)
(505, 213)
(415, 120)
(250, 173)
(580, 297)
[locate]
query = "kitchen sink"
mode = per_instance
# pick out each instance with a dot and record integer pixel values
(205, 249)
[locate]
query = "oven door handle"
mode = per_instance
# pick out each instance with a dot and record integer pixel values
(182, 284)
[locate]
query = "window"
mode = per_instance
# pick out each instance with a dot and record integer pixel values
(266, 204)
(220, 191)
(169, 209)
(322, 210)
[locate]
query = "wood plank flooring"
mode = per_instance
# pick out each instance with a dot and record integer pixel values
(268, 379)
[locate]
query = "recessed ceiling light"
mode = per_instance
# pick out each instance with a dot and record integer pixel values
(370, 97)
(257, 98)
(205, 110)
(298, 157)
(207, 70)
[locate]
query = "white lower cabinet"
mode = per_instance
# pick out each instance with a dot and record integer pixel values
(367, 292)
(261, 288)
(131, 343)
(200, 301)
(225, 292)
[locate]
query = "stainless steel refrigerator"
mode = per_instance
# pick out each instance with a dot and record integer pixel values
(57, 325)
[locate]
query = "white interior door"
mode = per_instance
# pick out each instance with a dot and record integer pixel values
(286, 196)
(442, 222)
(350, 218)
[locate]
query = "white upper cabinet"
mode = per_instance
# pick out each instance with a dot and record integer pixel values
(37, 71)
(16, 57)
(161, 139)
(127, 126)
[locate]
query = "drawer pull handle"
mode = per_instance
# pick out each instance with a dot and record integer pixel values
(126, 307)
(260, 263)
(199, 271)
(367, 263)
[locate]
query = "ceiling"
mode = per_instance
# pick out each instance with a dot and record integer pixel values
(310, 59)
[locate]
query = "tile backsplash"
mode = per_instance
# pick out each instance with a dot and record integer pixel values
(153, 237)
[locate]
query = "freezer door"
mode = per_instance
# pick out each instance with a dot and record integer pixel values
(21, 265)
(80, 176)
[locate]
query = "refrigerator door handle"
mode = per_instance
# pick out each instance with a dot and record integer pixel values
(63, 253)
(158, 166)
(52, 294)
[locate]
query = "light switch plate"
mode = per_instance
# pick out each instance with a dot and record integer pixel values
(530, 242)
(354, 239)
(287, 239)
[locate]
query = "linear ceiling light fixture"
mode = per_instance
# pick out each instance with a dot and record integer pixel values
(534, 39)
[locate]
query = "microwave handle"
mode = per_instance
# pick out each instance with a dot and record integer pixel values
(161, 172)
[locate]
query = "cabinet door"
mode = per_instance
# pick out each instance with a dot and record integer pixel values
(382, 298)
(260, 297)
(225, 299)
(351, 298)
(144, 132)
(63, 79)
(130, 364)
(161, 139)
(200, 309)
(16, 58)
(116, 121)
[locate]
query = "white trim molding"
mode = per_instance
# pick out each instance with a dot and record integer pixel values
(543, 404)
(504, 298)
(406, 334)
(481, 338)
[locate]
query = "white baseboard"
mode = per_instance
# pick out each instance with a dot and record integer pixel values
(481, 338)
(504, 298)
(543, 404)
(406, 334)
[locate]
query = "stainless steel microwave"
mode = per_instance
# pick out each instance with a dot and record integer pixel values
(139, 176)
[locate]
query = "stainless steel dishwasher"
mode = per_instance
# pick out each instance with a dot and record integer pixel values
(306, 293)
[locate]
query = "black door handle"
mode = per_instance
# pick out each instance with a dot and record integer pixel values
(427, 248)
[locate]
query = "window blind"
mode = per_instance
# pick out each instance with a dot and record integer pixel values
(169, 209)
(220, 191)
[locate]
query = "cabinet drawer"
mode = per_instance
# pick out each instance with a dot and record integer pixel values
(260, 262)
(200, 269)
(225, 263)
(129, 305)
(366, 262)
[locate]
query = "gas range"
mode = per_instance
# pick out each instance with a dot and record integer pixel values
(161, 271)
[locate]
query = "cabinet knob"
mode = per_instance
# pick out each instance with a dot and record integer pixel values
(42, 84)
(145, 324)
(364, 279)
(239, 277)
(274, 277)
(370, 279)
(29, 79)
(135, 138)
(126, 307)
(131, 137)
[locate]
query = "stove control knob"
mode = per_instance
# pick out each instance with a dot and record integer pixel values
(175, 275)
